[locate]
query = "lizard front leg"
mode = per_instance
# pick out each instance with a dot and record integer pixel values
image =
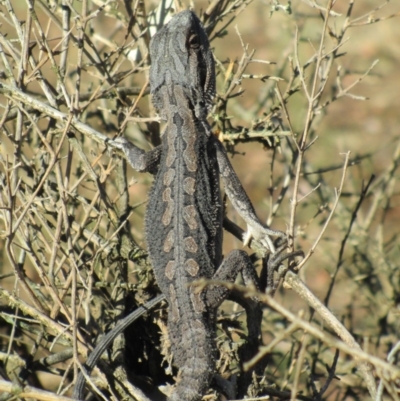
(242, 203)
(139, 159)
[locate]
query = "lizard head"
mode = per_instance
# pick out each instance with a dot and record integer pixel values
(180, 55)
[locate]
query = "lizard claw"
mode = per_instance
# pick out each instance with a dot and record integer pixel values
(262, 234)
(247, 237)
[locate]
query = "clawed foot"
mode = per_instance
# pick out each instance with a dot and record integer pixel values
(274, 263)
(263, 235)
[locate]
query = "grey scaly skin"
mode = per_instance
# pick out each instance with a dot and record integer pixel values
(185, 212)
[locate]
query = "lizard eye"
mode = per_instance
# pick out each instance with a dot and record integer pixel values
(194, 41)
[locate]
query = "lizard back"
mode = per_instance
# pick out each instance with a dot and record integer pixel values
(186, 244)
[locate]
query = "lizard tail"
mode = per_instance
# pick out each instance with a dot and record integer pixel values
(196, 362)
(194, 381)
